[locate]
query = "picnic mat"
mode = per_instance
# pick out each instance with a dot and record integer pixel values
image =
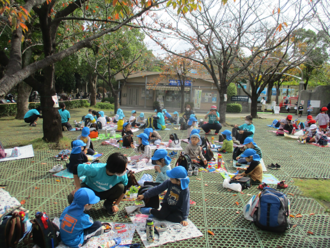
(176, 148)
(234, 145)
(166, 129)
(266, 178)
(94, 157)
(174, 232)
(66, 174)
(290, 136)
(132, 166)
(100, 241)
(245, 165)
(7, 203)
(26, 152)
(102, 136)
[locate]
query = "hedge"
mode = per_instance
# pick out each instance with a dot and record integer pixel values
(10, 109)
(234, 108)
(231, 90)
(104, 105)
(110, 99)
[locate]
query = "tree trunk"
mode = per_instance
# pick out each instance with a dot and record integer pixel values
(182, 98)
(269, 92)
(115, 96)
(306, 83)
(92, 88)
(277, 94)
(222, 103)
(254, 105)
(24, 91)
(52, 127)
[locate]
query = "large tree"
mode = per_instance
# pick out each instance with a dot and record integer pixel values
(221, 31)
(50, 17)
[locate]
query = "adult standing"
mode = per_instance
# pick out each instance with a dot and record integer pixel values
(32, 116)
(187, 113)
(263, 104)
(65, 116)
(213, 117)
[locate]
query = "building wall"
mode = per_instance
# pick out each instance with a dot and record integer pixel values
(321, 93)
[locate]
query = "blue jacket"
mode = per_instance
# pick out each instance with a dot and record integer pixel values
(160, 121)
(73, 222)
(97, 178)
(175, 197)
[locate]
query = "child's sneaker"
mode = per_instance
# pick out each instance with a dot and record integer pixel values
(192, 203)
(56, 168)
(65, 157)
(278, 166)
(207, 133)
(65, 128)
(282, 185)
(262, 186)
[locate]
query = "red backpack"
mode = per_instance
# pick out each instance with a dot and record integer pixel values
(2, 151)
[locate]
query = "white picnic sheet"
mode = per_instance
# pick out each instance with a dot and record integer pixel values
(26, 152)
(7, 203)
(134, 167)
(174, 232)
(100, 241)
(245, 165)
(175, 148)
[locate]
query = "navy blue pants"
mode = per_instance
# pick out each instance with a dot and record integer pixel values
(87, 232)
(207, 127)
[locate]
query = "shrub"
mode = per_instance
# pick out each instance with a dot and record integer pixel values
(190, 103)
(8, 109)
(104, 105)
(231, 90)
(234, 108)
(110, 99)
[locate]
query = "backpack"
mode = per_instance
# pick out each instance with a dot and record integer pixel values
(184, 160)
(221, 139)
(99, 125)
(44, 232)
(93, 134)
(272, 211)
(150, 123)
(207, 153)
(107, 119)
(174, 137)
(127, 140)
(245, 182)
(152, 202)
(203, 141)
(183, 126)
(2, 151)
(323, 141)
(280, 132)
(11, 231)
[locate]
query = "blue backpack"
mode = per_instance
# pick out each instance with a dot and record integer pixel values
(272, 211)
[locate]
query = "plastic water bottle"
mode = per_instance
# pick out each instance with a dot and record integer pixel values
(190, 172)
(219, 160)
(121, 143)
(196, 171)
(150, 230)
(135, 143)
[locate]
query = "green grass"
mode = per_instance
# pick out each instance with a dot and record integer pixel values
(39, 144)
(317, 189)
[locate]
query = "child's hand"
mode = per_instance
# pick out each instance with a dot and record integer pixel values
(115, 208)
(205, 162)
(184, 223)
(140, 197)
(157, 168)
(241, 132)
(237, 158)
(194, 161)
(132, 145)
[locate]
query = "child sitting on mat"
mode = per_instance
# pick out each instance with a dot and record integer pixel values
(120, 122)
(193, 150)
(175, 118)
(141, 120)
(254, 171)
(87, 140)
(76, 227)
(153, 135)
(161, 163)
(132, 120)
(191, 124)
(127, 134)
(302, 138)
(227, 145)
(323, 119)
(143, 149)
(175, 206)
(248, 143)
(313, 136)
(78, 155)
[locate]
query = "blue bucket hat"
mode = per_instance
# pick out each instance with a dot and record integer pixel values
(147, 131)
(176, 113)
(101, 113)
(142, 115)
(133, 111)
(85, 132)
(164, 110)
(161, 153)
(228, 135)
(191, 120)
(144, 138)
(125, 124)
(120, 114)
(195, 135)
(195, 131)
(155, 110)
(249, 140)
(85, 196)
(179, 172)
(76, 146)
(250, 152)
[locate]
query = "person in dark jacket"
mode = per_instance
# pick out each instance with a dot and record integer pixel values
(187, 113)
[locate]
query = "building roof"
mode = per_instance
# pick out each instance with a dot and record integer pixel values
(142, 74)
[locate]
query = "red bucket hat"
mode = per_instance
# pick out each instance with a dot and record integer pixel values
(213, 107)
(324, 109)
(312, 122)
(309, 117)
(289, 117)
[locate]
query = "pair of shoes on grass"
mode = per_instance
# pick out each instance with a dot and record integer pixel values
(274, 166)
(280, 185)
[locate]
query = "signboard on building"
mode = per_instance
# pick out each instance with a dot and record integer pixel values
(239, 98)
(178, 83)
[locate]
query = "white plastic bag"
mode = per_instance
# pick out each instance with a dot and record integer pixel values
(249, 208)
(299, 133)
(233, 186)
(145, 178)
